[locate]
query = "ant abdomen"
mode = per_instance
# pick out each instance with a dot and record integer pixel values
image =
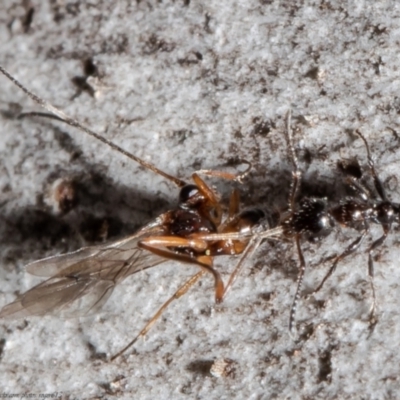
(312, 219)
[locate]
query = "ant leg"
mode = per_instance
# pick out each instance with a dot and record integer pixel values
(214, 210)
(39, 114)
(353, 174)
(159, 245)
(161, 242)
(205, 189)
(273, 233)
(349, 250)
(300, 277)
(233, 210)
(296, 179)
(227, 175)
(377, 243)
(377, 182)
(234, 204)
(249, 251)
(296, 173)
(178, 294)
(295, 185)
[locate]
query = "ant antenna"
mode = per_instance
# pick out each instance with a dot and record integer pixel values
(72, 122)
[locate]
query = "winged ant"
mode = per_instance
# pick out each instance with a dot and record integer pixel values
(80, 282)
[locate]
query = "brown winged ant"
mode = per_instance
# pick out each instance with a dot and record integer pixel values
(194, 232)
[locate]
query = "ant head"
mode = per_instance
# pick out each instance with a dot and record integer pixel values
(312, 219)
(387, 213)
(396, 210)
(190, 196)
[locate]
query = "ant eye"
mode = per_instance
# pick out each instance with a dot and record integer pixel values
(187, 193)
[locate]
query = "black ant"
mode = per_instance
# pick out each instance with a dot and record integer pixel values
(314, 218)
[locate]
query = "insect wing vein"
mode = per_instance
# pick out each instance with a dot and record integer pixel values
(83, 280)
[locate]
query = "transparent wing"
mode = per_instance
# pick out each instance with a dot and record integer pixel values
(82, 281)
(92, 259)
